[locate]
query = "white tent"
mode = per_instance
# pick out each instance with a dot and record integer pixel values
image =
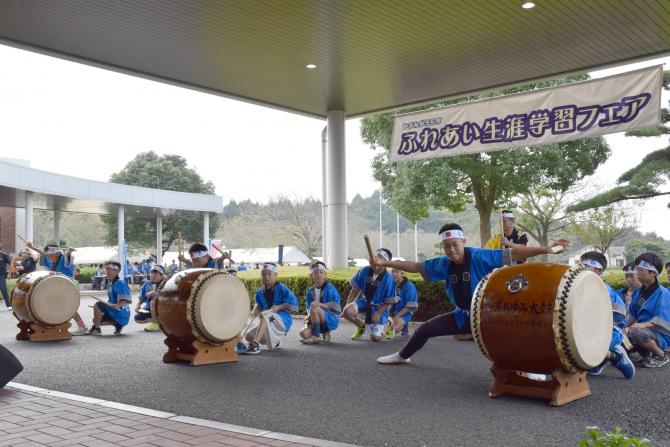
(95, 255)
(291, 255)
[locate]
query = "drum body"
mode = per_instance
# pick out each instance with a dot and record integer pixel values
(206, 305)
(539, 318)
(46, 298)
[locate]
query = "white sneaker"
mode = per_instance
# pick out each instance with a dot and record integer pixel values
(393, 359)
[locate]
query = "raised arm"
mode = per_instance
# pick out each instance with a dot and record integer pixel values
(521, 252)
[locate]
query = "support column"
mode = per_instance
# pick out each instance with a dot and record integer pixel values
(337, 191)
(416, 244)
(397, 234)
(205, 229)
(381, 228)
(120, 238)
(324, 194)
(159, 238)
(28, 230)
(57, 215)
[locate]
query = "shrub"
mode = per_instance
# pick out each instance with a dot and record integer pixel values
(85, 275)
(597, 438)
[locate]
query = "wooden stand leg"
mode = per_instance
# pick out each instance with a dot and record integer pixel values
(198, 353)
(37, 332)
(463, 337)
(562, 388)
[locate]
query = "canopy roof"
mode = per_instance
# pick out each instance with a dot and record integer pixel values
(370, 55)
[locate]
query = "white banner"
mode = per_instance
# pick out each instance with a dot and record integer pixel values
(569, 112)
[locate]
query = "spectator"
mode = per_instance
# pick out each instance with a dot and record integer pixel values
(4, 267)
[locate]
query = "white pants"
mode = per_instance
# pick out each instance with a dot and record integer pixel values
(275, 331)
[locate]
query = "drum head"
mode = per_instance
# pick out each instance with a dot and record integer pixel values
(218, 307)
(588, 320)
(54, 299)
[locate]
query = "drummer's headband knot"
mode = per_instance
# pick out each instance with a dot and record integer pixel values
(384, 254)
(592, 263)
(647, 266)
(317, 266)
(451, 234)
(270, 267)
(198, 254)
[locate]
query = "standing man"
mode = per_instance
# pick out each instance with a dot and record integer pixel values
(512, 237)
(4, 267)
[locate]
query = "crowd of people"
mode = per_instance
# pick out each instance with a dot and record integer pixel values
(381, 300)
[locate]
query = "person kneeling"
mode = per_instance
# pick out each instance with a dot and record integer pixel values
(271, 318)
(323, 307)
(405, 307)
(649, 313)
(149, 292)
(117, 309)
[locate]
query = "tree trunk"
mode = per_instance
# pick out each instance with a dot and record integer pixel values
(544, 241)
(484, 207)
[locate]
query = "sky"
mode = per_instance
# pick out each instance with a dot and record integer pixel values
(87, 122)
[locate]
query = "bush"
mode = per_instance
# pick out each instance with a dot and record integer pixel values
(597, 438)
(86, 275)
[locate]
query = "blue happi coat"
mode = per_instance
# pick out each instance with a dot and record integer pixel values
(331, 297)
(656, 309)
(282, 295)
(618, 316)
(385, 293)
(482, 262)
(117, 292)
(407, 297)
(211, 264)
(64, 265)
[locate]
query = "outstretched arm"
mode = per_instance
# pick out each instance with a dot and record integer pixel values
(521, 252)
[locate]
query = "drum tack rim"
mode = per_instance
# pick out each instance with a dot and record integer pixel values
(33, 288)
(475, 314)
(559, 322)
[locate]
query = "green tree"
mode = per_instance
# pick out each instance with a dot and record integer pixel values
(168, 172)
(488, 179)
(602, 226)
(636, 247)
(647, 178)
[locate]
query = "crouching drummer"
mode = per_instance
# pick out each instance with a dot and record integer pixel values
(149, 292)
(116, 310)
(271, 317)
(323, 307)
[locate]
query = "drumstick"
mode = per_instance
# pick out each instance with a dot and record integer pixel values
(99, 300)
(369, 247)
(179, 248)
(21, 237)
(502, 229)
(224, 253)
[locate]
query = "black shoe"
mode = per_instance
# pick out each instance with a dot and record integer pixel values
(117, 329)
(253, 348)
(656, 361)
(93, 331)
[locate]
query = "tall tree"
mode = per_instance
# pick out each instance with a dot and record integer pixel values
(489, 179)
(602, 226)
(168, 172)
(646, 180)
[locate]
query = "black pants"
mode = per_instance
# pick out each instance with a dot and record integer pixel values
(3, 289)
(439, 326)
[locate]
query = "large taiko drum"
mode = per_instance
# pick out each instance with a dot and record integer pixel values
(44, 302)
(199, 310)
(540, 318)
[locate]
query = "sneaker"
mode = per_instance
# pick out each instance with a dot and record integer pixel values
(624, 364)
(117, 329)
(390, 332)
(598, 370)
(240, 347)
(640, 359)
(79, 331)
(405, 331)
(313, 340)
(393, 359)
(152, 327)
(656, 361)
(325, 337)
(358, 333)
(93, 331)
(276, 346)
(253, 348)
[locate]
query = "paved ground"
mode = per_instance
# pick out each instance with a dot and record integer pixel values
(35, 419)
(338, 392)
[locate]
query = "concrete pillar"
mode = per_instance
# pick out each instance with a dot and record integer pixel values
(205, 229)
(397, 234)
(416, 243)
(337, 191)
(29, 217)
(324, 194)
(159, 239)
(381, 228)
(57, 215)
(120, 238)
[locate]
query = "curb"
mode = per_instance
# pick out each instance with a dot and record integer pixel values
(183, 419)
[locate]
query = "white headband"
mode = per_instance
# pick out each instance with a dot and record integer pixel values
(199, 254)
(593, 263)
(271, 267)
(450, 234)
(383, 254)
(647, 266)
(53, 249)
(508, 215)
(317, 267)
